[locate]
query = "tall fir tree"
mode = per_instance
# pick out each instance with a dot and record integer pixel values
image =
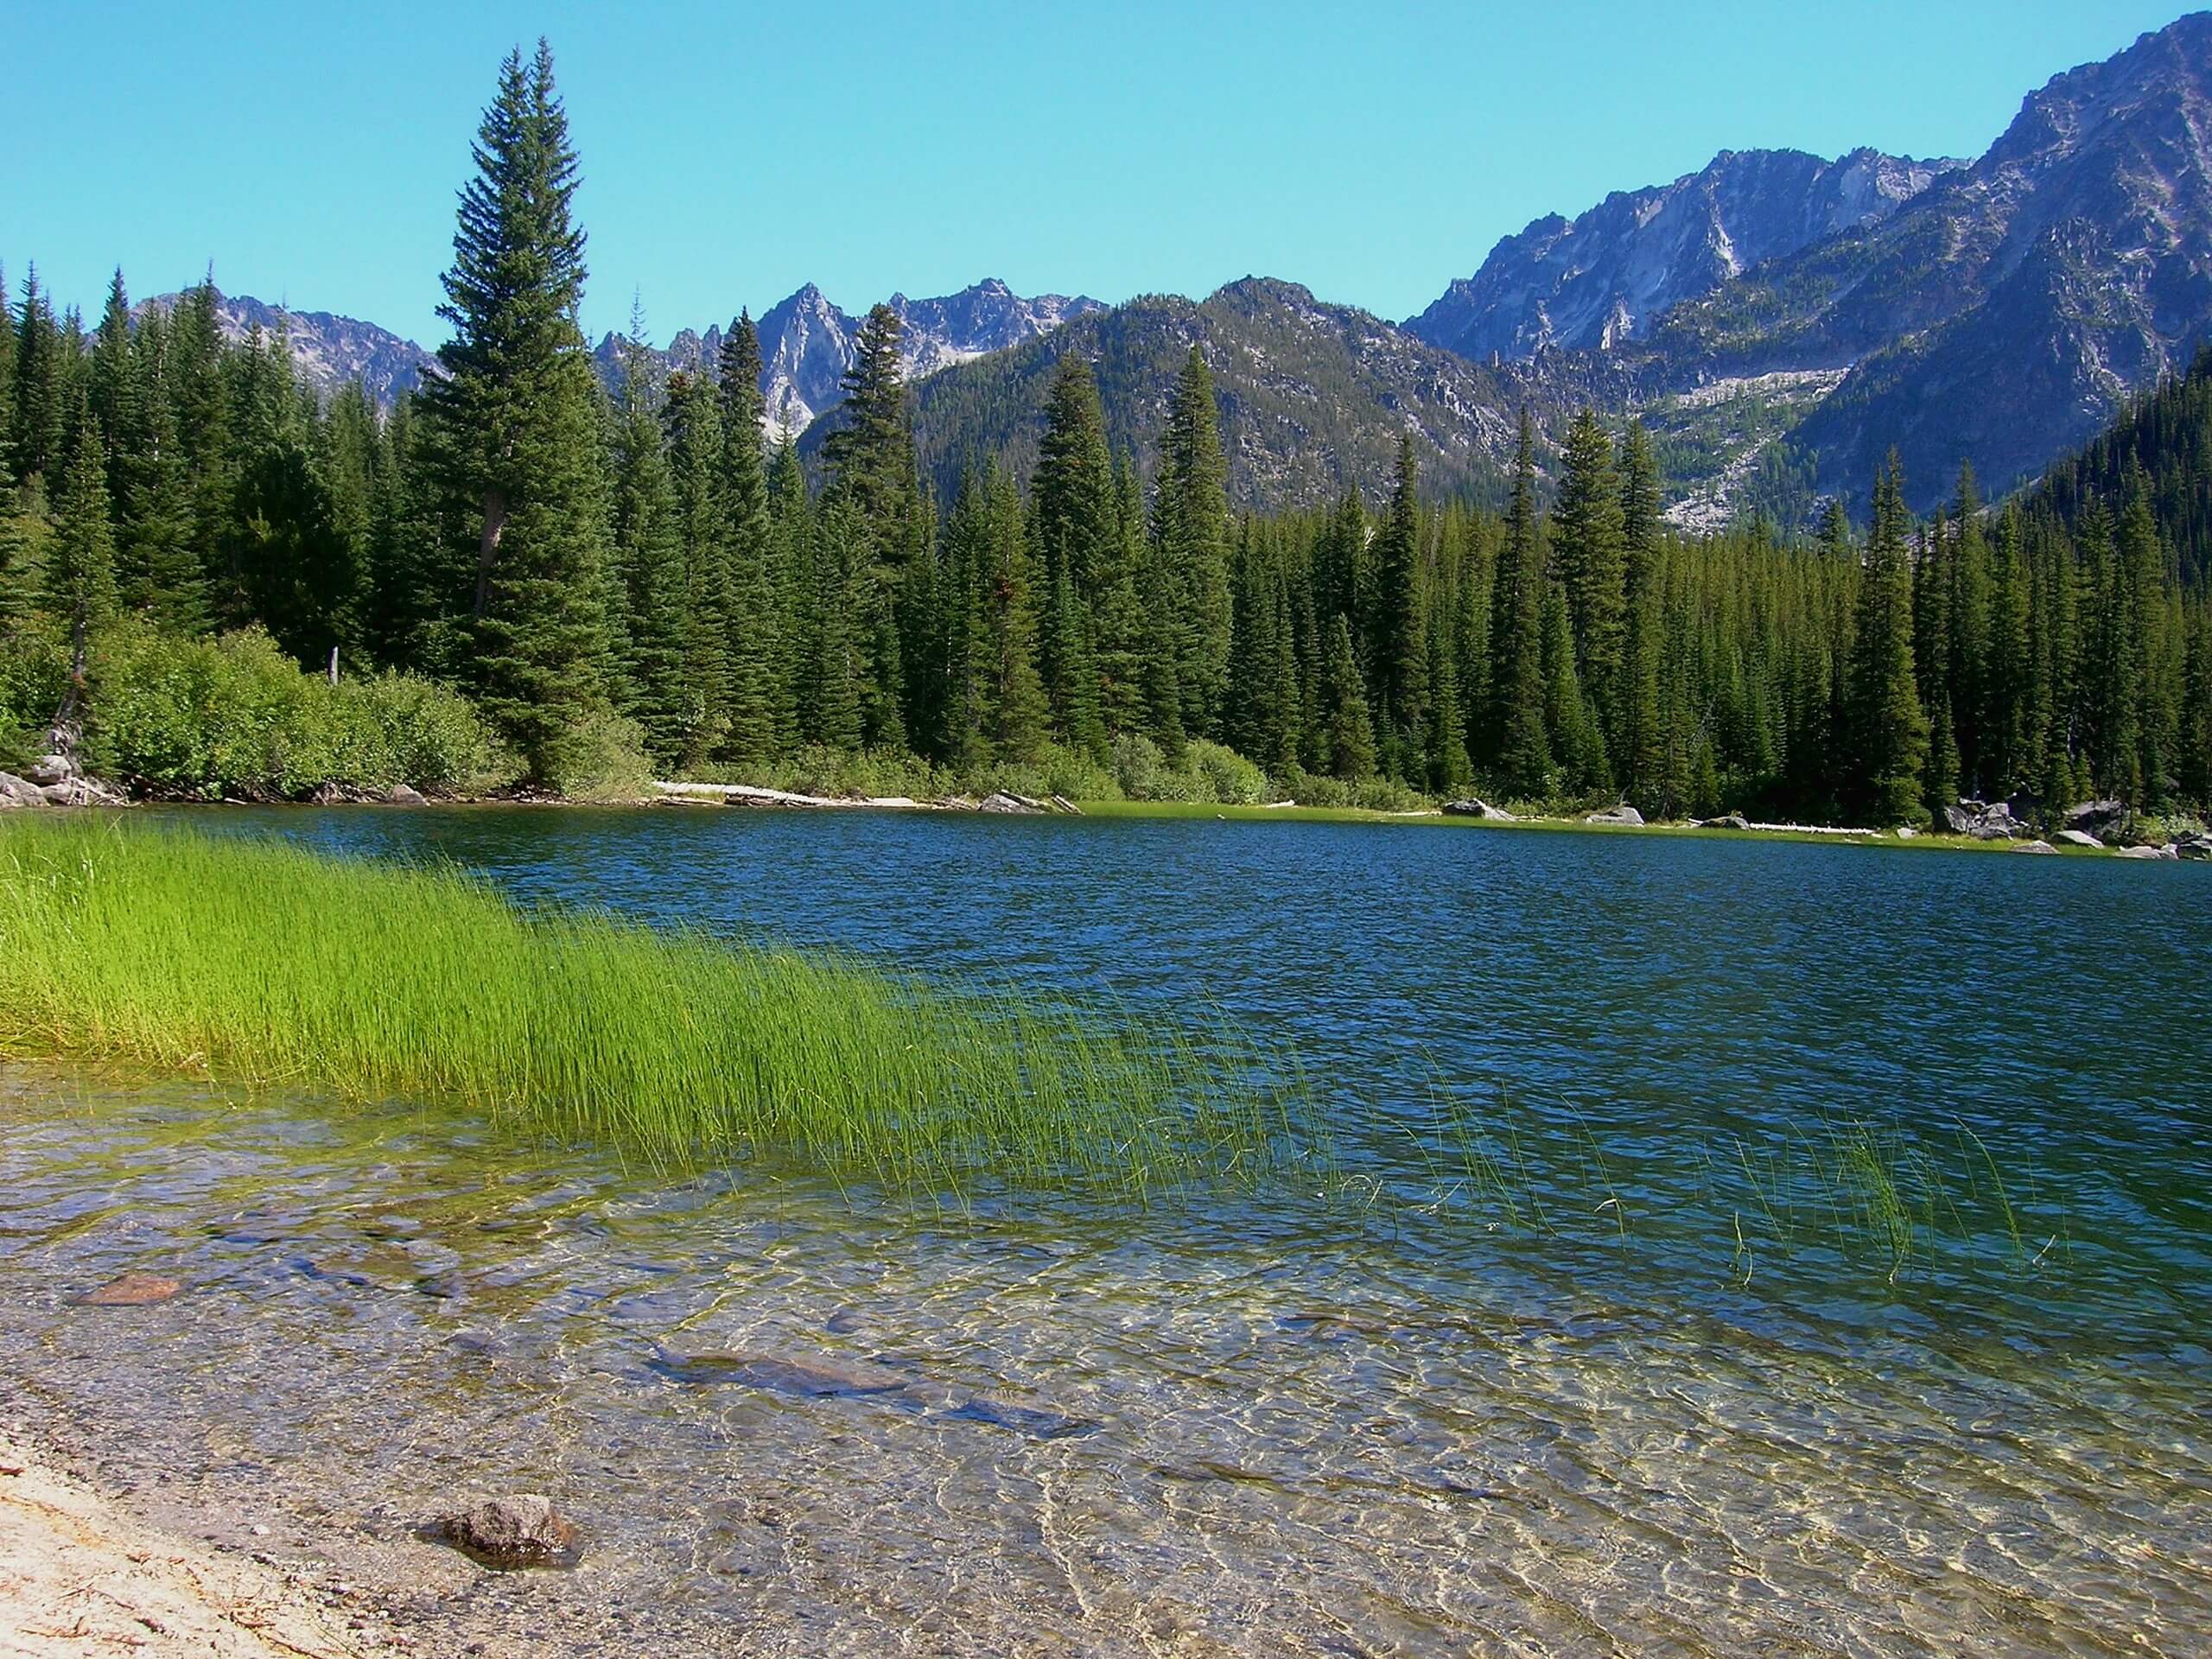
(1192, 525)
(514, 425)
(1589, 557)
(1519, 744)
(1889, 730)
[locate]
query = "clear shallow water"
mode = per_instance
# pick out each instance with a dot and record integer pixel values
(1308, 1427)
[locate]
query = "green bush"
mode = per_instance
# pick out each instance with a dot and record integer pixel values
(602, 758)
(1225, 776)
(33, 673)
(235, 716)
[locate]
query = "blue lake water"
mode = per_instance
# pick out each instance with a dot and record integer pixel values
(1741, 1245)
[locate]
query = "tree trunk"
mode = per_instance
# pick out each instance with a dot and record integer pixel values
(488, 545)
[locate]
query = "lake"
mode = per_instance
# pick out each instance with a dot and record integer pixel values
(1730, 1246)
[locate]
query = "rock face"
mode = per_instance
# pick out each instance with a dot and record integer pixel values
(2105, 820)
(1983, 821)
(807, 343)
(512, 1533)
(328, 351)
(1471, 808)
(1599, 279)
(1622, 814)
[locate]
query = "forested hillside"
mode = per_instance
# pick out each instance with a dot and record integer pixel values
(517, 576)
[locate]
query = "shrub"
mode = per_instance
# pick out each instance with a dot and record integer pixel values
(601, 759)
(1225, 776)
(33, 673)
(236, 716)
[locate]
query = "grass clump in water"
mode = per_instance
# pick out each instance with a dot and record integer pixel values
(268, 965)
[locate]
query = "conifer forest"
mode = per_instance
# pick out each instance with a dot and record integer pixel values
(520, 578)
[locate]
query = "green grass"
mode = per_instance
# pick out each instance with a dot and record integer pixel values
(265, 964)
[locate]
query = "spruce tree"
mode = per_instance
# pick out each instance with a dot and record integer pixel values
(1636, 743)
(40, 414)
(1590, 558)
(80, 561)
(515, 429)
(1518, 740)
(1889, 730)
(1349, 750)
(758, 618)
(1191, 526)
(1399, 655)
(649, 560)
(691, 420)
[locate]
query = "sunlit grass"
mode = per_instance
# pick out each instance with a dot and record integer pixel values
(261, 963)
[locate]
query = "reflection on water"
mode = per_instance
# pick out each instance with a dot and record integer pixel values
(1320, 1445)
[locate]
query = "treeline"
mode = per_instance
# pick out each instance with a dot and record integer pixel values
(604, 574)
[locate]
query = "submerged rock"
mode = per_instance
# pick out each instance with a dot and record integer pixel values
(816, 1378)
(510, 1533)
(131, 1290)
(1023, 1420)
(1622, 814)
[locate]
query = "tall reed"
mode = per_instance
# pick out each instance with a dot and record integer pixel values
(264, 964)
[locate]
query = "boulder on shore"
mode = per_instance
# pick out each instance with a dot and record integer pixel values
(19, 791)
(2139, 852)
(1471, 808)
(80, 792)
(2079, 838)
(999, 801)
(1727, 821)
(54, 768)
(2034, 847)
(401, 795)
(1622, 814)
(507, 1532)
(2198, 847)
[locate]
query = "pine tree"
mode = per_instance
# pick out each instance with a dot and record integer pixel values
(80, 564)
(1191, 526)
(1016, 708)
(39, 423)
(1518, 740)
(873, 476)
(1399, 655)
(1889, 731)
(1589, 555)
(691, 421)
(1350, 745)
(649, 560)
(758, 619)
(514, 426)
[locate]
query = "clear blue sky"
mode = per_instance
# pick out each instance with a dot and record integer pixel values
(1371, 151)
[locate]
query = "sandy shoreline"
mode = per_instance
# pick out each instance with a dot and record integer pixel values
(78, 1576)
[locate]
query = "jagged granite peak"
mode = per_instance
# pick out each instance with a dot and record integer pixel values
(807, 343)
(328, 351)
(2008, 311)
(1599, 279)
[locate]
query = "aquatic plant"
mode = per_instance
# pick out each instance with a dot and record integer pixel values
(264, 964)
